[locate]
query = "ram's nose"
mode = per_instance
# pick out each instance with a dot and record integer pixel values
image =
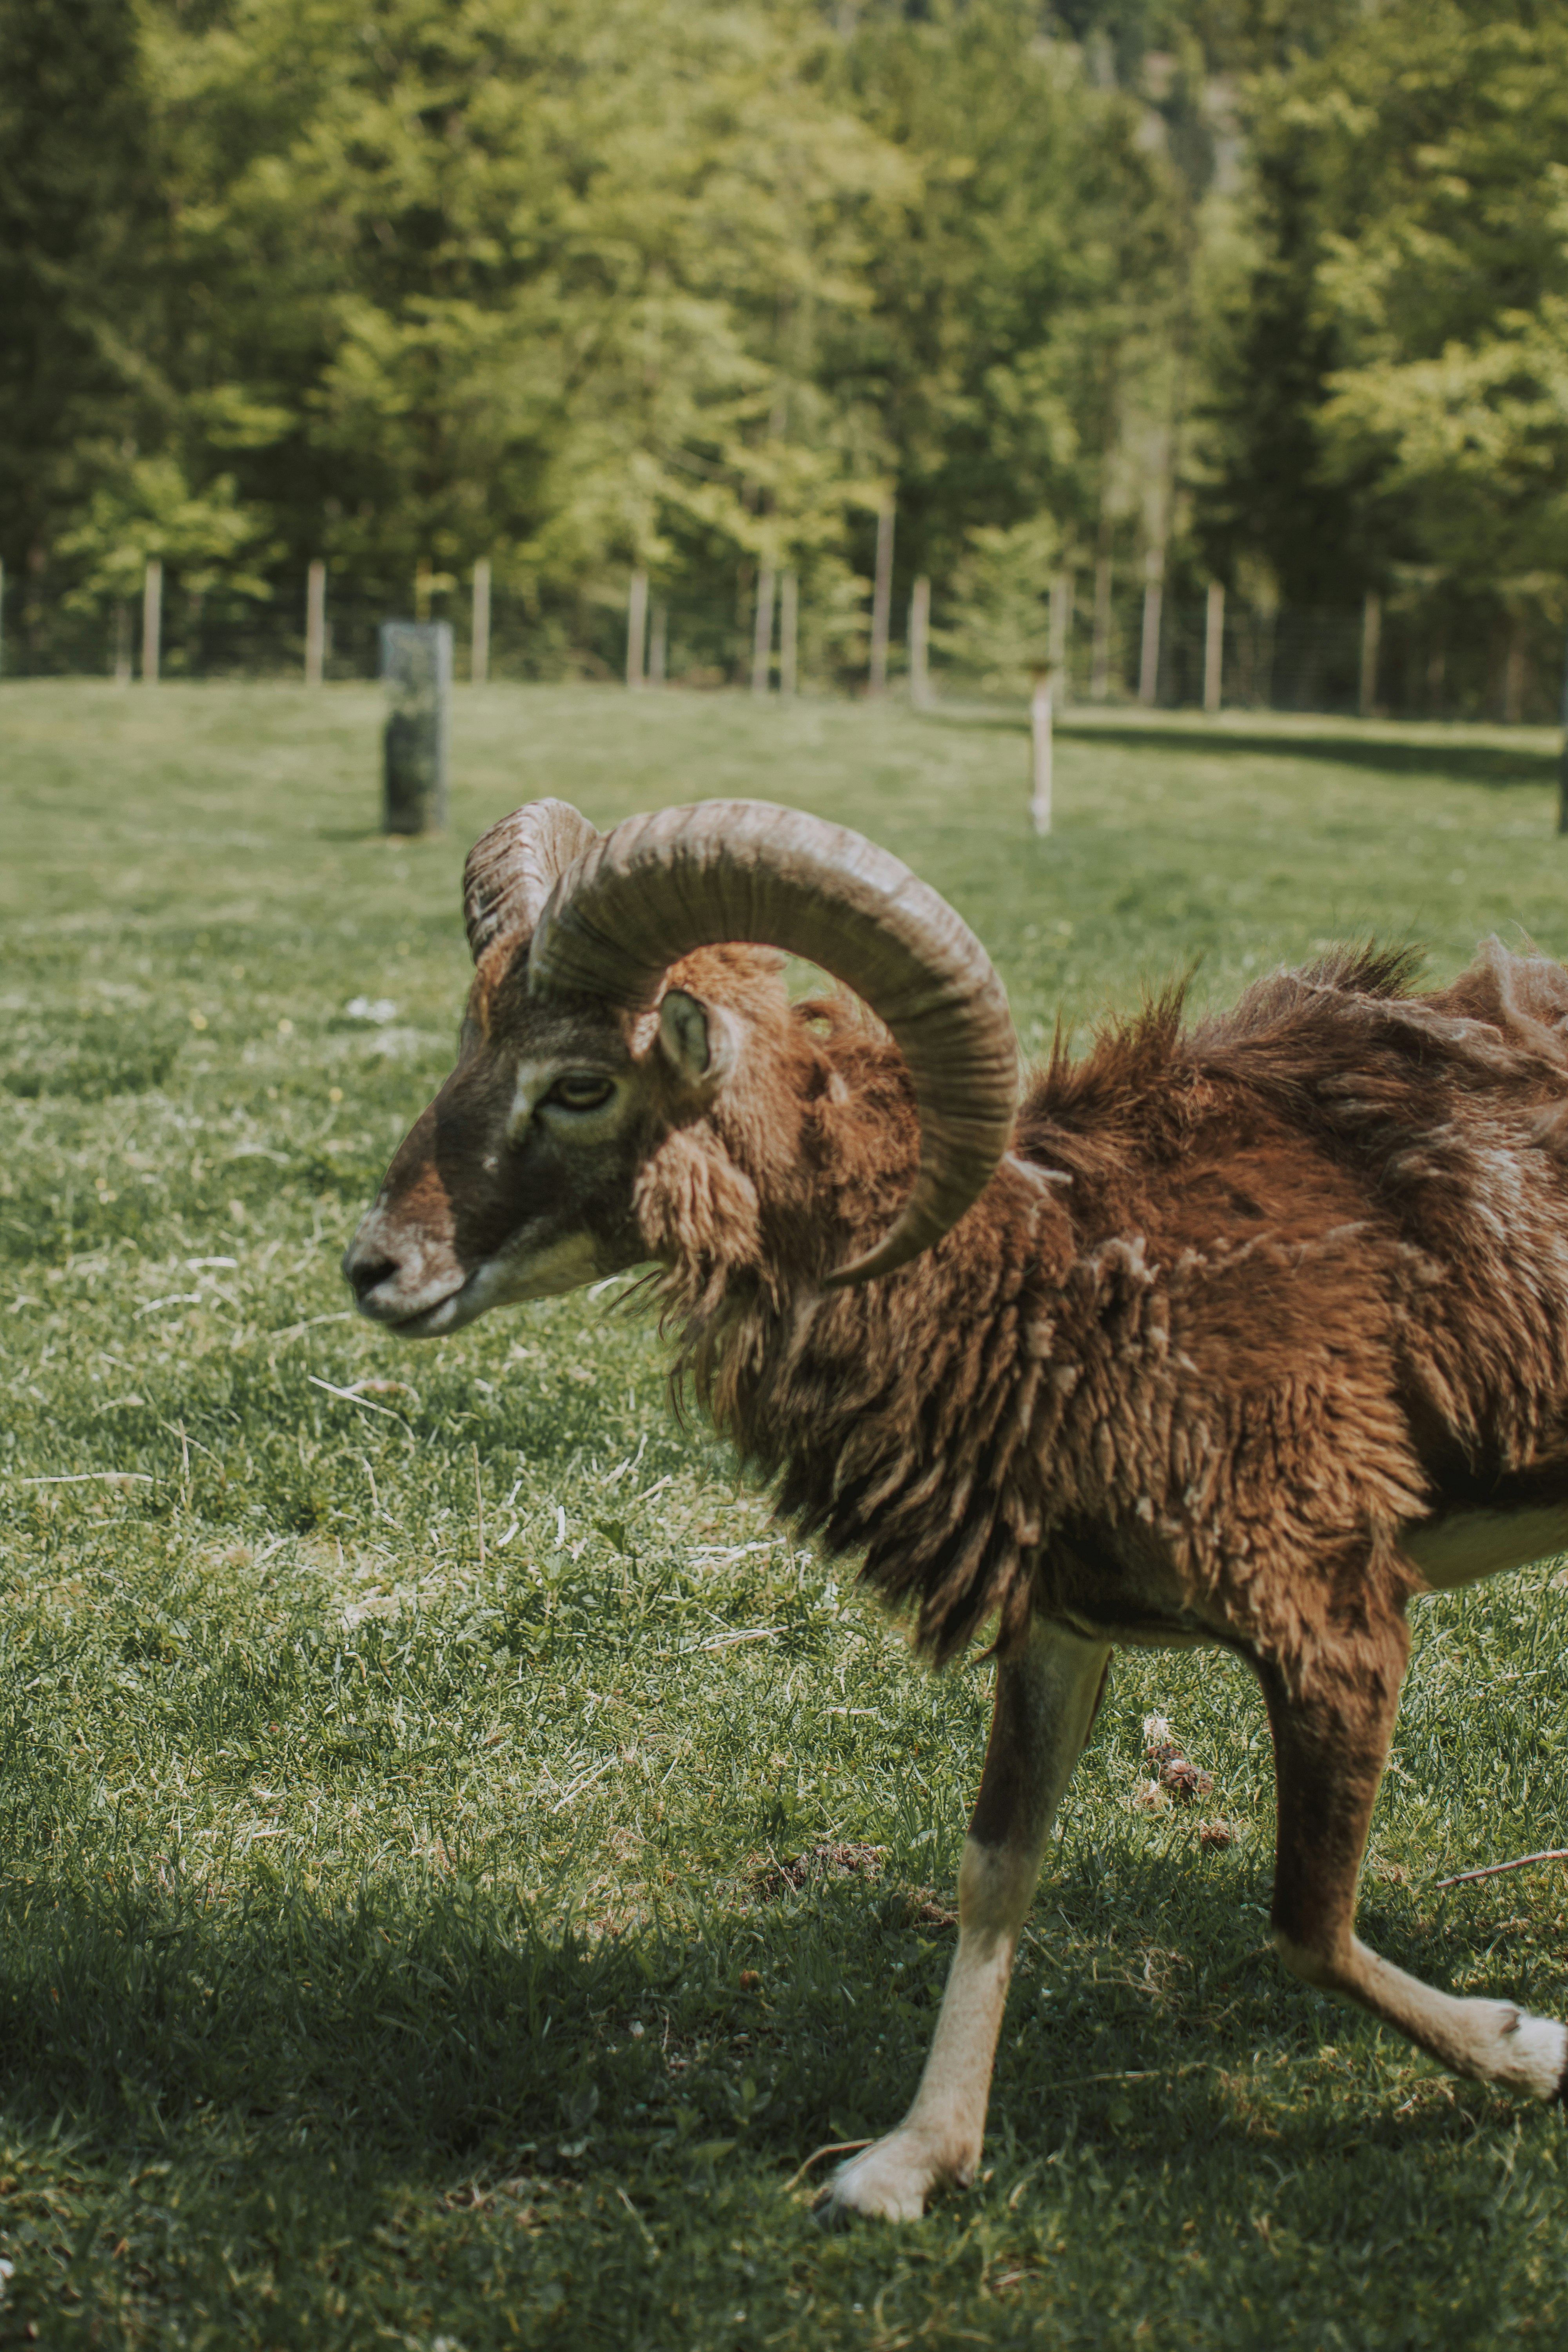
(368, 1267)
(397, 1273)
(374, 1271)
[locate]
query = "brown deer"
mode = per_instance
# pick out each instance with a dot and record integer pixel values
(1242, 1334)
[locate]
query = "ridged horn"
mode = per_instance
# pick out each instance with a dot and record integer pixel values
(659, 885)
(512, 869)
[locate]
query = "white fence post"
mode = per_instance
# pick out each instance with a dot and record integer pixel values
(151, 619)
(920, 645)
(763, 633)
(479, 625)
(881, 599)
(789, 633)
(1213, 647)
(315, 622)
(1040, 744)
(636, 627)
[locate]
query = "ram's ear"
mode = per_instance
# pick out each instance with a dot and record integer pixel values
(701, 1042)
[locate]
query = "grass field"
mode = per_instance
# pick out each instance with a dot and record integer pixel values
(446, 1931)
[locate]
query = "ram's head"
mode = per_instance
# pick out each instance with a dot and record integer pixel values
(582, 1048)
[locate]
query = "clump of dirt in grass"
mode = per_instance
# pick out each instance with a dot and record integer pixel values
(904, 1907)
(773, 1878)
(1171, 1769)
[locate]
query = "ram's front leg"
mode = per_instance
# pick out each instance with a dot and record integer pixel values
(1046, 1693)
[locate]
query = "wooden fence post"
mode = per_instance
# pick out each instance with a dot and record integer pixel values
(763, 633)
(1213, 647)
(416, 670)
(1040, 745)
(658, 645)
(315, 622)
(479, 625)
(1062, 588)
(920, 644)
(1370, 639)
(1153, 604)
(881, 599)
(789, 633)
(151, 619)
(636, 627)
(1514, 673)
(1100, 659)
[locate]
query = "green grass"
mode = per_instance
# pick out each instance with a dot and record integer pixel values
(388, 1951)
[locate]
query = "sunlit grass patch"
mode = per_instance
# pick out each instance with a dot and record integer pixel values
(414, 1758)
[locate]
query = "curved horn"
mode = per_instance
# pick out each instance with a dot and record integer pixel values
(512, 869)
(659, 885)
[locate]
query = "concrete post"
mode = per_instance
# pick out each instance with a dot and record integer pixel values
(416, 670)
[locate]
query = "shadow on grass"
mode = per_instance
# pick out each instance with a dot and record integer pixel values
(1497, 764)
(439, 2032)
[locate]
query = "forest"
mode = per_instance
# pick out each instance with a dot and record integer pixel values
(1080, 313)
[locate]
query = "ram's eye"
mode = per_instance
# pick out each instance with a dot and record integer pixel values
(581, 1090)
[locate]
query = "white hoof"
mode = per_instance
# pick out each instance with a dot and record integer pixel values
(1532, 2053)
(891, 2181)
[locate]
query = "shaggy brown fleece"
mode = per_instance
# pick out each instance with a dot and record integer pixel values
(1245, 1300)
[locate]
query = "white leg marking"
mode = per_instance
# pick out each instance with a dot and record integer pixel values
(1490, 2040)
(1045, 1705)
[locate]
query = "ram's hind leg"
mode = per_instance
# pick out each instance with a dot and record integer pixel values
(1047, 1692)
(1330, 1747)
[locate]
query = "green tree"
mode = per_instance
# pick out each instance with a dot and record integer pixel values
(512, 272)
(1012, 292)
(1399, 389)
(81, 238)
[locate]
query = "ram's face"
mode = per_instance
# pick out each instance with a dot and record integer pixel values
(518, 1182)
(522, 1177)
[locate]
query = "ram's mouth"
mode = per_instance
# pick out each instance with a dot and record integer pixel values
(511, 1278)
(448, 1313)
